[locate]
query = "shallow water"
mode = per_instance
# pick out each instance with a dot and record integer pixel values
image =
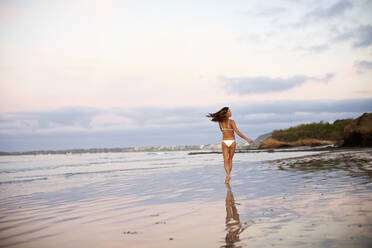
(171, 199)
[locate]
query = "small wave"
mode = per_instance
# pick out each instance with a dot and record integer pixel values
(110, 171)
(115, 157)
(52, 167)
(7, 171)
(157, 153)
(29, 169)
(70, 174)
(98, 162)
(24, 180)
(164, 163)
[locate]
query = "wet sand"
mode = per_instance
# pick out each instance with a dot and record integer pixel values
(321, 200)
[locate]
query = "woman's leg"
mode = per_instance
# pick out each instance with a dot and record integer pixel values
(231, 151)
(225, 152)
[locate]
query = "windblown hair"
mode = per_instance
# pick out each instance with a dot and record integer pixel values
(221, 115)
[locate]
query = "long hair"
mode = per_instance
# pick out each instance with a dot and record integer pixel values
(221, 115)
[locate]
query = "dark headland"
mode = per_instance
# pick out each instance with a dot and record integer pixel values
(341, 133)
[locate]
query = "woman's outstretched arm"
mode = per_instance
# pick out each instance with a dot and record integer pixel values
(239, 133)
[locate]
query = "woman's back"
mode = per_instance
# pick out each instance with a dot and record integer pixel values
(227, 129)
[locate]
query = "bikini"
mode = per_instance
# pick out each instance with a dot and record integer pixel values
(229, 141)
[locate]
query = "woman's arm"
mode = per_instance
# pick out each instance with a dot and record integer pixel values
(239, 133)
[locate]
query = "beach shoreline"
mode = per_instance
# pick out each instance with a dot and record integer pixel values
(176, 200)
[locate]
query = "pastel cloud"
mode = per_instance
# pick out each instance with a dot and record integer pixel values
(361, 36)
(363, 64)
(116, 127)
(248, 85)
(336, 9)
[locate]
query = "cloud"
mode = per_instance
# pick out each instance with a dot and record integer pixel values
(339, 8)
(361, 36)
(81, 127)
(358, 105)
(271, 11)
(265, 12)
(363, 64)
(44, 120)
(248, 85)
(84, 119)
(333, 24)
(318, 14)
(313, 49)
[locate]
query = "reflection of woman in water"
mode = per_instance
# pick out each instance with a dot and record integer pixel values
(233, 225)
(227, 127)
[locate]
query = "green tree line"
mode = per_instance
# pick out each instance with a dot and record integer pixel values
(321, 130)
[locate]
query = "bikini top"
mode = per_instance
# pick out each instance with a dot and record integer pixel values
(225, 128)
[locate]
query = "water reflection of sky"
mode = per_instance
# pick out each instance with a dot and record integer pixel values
(264, 206)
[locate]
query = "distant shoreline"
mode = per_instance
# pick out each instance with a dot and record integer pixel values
(105, 150)
(193, 150)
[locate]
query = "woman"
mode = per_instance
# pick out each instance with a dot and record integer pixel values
(227, 127)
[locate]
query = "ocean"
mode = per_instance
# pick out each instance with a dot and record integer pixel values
(172, 199)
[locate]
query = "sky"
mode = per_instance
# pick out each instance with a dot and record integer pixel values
(94, 74)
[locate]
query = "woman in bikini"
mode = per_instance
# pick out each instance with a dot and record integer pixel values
(227, 127)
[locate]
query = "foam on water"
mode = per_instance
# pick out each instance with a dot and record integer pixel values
(31, 171)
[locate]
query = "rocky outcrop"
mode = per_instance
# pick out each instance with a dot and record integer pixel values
(256, 143)
(359, 131)
(273, 143)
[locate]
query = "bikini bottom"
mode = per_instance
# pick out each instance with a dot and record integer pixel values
(228, 142)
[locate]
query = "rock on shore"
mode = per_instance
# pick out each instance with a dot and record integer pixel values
(359, 131)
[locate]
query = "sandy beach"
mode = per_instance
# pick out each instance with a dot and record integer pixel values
(283, 199)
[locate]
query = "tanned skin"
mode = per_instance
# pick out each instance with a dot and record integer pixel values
(228, 152)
